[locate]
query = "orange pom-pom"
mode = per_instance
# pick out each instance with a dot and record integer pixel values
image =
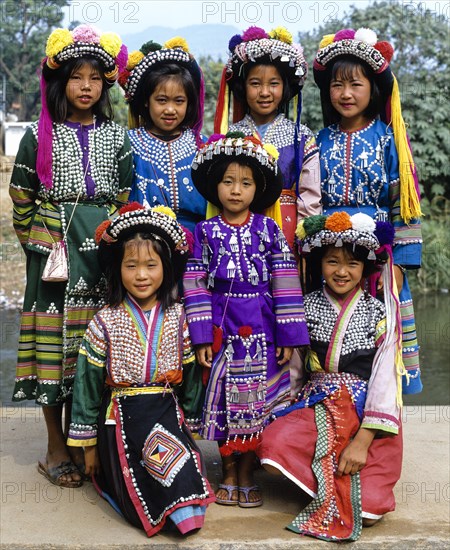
(386, 50)
(100, 230)
(131, 207)
(339, 221)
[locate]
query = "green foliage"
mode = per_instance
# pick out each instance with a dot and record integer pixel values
(420, 40)
(25, 26)
(212, 72)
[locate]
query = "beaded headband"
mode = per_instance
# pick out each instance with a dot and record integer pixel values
(159, 221)
(255, 45)
(339, 228)
(87, 41)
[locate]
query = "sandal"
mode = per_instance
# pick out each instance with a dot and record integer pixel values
(247, 503)
(54, 474)
(229, 489)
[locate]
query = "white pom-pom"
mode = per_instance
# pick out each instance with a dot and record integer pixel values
(362, 222)
(366, 35)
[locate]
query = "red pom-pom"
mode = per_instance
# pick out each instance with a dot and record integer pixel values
(254, 140)
(131, 207)
(100, 230)
(386, 50)
(217, 339)
(245, 331)
(123, 77)
(189, 238)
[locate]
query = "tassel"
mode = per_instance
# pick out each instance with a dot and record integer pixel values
(409, 195)
(133, 122)
(211, 210)
(44, 159)
(274, 212)
(222, 106)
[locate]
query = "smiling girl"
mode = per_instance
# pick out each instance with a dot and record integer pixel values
(73, 169)
(365, 157)
(265, 72)
(165, 92)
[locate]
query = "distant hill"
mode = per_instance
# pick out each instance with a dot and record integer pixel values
(205, 39)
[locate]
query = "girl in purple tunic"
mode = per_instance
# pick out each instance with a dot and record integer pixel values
(243, 303)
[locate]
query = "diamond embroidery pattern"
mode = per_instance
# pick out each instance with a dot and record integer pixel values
(163, 455)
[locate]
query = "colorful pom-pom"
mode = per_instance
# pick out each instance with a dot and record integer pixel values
(254, 33)
(215, 137)
(386, 50)
(272, 150)
(111, 43)
(150, 46)
(326, 40)
(300, 232)
(339, 221)
(282, 34)
(164, 210)
(57, 41)
(234, 41)
(344, 34)
(313, 224)
(177, 42)
(86, 33)
(100, 230)
(362, 222)
(366, 35)
(122, 58)
(134, 58)
(131, 207)
(123, 77)
(245, 331)
(189, 238)
(384, 232)
(235, 135)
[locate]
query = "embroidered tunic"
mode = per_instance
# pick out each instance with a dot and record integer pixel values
(345, 381)
(139, 427)
(244, 280)
(360, 173)
(303, 200)
(162, 175)
(96, 161)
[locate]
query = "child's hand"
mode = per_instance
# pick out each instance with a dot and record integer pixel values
(204, 355)
(91, 460)
(285, 355)
(354, 457)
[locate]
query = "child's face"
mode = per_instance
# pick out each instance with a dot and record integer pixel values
(236, 192)
(341, 272)
(264, 92)
(167, 107)
(142, 272)
(83, 90)
(351, 97)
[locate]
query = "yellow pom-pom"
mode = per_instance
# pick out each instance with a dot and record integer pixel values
(300, 232)
(272, 150)
(165, 210)
(327, 39)
(111, 43)
(133, 59)
(177, 42)
(57, 41)
(282, 34)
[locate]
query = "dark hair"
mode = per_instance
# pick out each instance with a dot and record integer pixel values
(57, 103)
(346, 66)
(314, 263)
(154, 77)
(239, 90)
(116, 292)
(218, 170)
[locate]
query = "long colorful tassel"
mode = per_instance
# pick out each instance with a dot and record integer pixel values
(222, 106)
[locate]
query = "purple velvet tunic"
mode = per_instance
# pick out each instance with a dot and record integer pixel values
(244, 280)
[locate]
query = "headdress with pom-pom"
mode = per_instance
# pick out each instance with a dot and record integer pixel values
(152, 55)
(255, 46)
(261, 157)
(84, 41)
(364, 45)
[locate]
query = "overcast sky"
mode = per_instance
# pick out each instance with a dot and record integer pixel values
(125, 17)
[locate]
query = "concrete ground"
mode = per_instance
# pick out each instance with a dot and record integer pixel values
(37, 514)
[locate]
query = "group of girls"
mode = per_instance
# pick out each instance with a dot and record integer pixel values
(183, 302)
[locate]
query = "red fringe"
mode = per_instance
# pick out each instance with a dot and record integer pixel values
(220, 102)
(239, 445)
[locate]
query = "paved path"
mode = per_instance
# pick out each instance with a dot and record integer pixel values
(36, 514)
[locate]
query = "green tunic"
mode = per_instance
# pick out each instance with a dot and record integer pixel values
(56, 315)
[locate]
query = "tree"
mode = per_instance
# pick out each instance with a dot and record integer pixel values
(24, 28)
(420, 63)
(212, 72)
